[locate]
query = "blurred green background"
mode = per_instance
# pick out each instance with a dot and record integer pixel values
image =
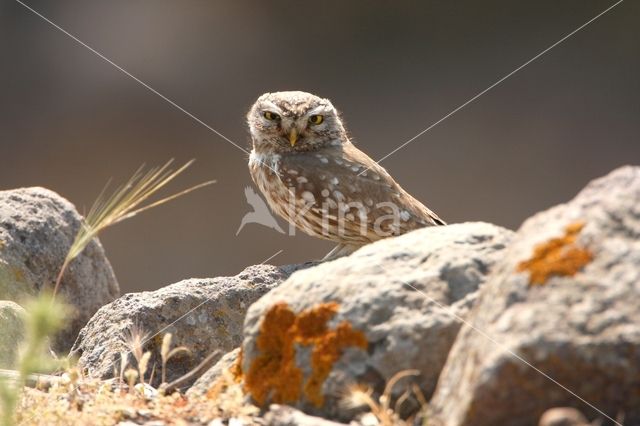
(69, 121)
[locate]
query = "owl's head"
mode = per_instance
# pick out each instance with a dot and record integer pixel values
(294, 121)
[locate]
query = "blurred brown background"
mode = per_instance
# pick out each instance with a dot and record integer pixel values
(69, 121)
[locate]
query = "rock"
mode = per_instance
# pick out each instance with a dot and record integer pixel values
(563, 416)
(282, 415)
(565, 299)
(37, 227)
(11, 332)
(366, 317)
(204, 383)
(202, 314)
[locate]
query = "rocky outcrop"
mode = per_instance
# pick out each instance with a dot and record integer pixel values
(37, 227)
(496, 328)
(389, 307)
(204, 315)
(557, 324)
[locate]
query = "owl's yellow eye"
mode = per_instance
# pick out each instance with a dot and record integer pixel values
(271, 115)
(316, 119)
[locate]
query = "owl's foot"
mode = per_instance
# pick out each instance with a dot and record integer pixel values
(340, 250)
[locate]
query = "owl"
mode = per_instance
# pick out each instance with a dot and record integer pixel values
(313, 176)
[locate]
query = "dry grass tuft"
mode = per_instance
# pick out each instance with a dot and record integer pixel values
(134, 339)
(124, 203)
(362, 396)
(99, 403)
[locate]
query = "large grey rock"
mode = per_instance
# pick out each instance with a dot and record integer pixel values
(202, 314)
(37, 227)
(565, 298)
(11, 332)
(366, 317)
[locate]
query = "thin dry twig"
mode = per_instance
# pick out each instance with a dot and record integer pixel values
(41, 381)
(206, 364)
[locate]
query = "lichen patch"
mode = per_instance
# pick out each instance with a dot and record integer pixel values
(273, 375)
(557, 257)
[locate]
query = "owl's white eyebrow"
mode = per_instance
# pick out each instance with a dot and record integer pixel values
(272, 106)
(319, 108)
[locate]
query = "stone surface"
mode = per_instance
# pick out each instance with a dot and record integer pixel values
(204, 383)
(282, 415)
(565, 299)
(37, 227)
(11, 332)
(201, 314)
(362, 319)
(563, 416)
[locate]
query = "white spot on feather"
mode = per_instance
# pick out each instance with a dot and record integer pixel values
(308, 197)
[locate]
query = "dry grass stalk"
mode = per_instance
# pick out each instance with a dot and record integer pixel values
(192, 375)
(124, 203)
(124, 361)
(134, 340)
(166, 353)
(143, 364)
(131, 376)
(362, 396)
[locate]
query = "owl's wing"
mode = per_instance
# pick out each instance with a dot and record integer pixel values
(369, 169)
(372, 203)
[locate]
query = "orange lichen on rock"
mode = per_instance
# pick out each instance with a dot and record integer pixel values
(557, 257)
(274, 375)
(273, 372)
(327, 350)
(18, 274)
(236, 368)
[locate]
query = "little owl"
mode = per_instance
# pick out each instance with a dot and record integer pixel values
(314, 177)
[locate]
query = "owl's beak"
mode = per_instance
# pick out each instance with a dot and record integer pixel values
(293, 136)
